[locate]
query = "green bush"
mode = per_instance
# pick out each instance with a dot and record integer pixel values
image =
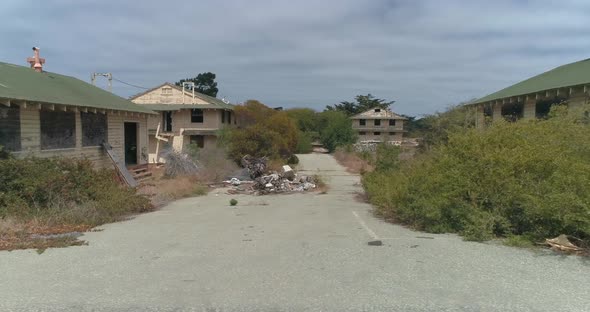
(304, 143)
(64, 191)
(293, 160)
(233, 202)
(527, 178)
(337, 130)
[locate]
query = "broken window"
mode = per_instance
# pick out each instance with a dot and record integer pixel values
(362, 133)
(58, 129)
(362, 122)
(94, 129)
(377, 133)
(512, 111)
(392, 122)
(222, 116)
(197, 115)
(377, 110)
(377, 122)
(199, 140)
(10, 128)
(542, 108)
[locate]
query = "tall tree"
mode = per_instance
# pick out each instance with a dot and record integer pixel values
(362, 103)
(204, 83)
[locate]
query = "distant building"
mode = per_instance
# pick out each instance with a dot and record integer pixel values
(533, 97)
(379, 125)
(184, 117)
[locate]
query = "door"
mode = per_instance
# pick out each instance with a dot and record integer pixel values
(131, 143)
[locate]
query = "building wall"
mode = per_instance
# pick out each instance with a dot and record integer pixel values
(384, 136)
(370, 124)
(31, 138)
(158, 97)
(179, 142)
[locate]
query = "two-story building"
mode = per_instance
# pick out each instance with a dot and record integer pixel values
(185, 117)
(379, 125)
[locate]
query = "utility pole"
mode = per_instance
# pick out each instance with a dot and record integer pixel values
(109, 76)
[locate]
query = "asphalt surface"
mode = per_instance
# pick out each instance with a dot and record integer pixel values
(301, 252)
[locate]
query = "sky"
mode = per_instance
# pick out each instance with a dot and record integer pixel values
(425, 55)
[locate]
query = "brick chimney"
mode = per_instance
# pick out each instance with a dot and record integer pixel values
(36, 62)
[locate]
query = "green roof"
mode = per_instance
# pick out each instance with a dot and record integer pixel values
(568, 75)
(23, 83)
(176, 107)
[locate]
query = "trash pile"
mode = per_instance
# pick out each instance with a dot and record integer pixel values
(270, 182)
(178, 164)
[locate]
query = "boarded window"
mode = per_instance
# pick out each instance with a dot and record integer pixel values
(392, 122)
(58, 130)
(199, 140)
(94, 129)
(10, 128)
(377, 122)
(197, 115)
(362, 122)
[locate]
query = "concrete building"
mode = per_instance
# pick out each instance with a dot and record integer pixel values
(533, 97)
(379, 125)
(45, 114)
(184, 117)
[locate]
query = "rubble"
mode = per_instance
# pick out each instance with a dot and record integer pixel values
(270, 182)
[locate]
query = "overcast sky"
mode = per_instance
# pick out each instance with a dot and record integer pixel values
(425, 55)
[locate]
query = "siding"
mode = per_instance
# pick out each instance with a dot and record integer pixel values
(31, 145)
(156, 97)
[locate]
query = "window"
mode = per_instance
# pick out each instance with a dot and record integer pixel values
(58, 130)
(197, 115)
(166, 91)
(392, 122)
(222, 116)
(94, 129)
(10, 128)
(391, 133)
(377, 110)
(167, 121)
(377, 133)
(377, 122)
(229, 117)
(362, 133)
(199, 140)
(362, 122)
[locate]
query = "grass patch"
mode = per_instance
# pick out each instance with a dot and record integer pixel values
(352, 161)
(518, 241)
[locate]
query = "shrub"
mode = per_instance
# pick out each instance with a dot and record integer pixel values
(527, 178)
(337, 130)
(64, 191)
(293, 160)
(233, 202)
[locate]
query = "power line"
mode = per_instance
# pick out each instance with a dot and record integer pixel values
(130, 84)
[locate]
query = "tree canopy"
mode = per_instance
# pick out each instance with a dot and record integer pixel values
(204, 83)
(362, 103)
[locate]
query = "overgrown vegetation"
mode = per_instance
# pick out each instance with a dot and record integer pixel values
(61, 194)
(526, 181)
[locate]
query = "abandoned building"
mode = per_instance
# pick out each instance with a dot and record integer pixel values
(533, 97)
(45, 114)
(379, 125)
(185, 117)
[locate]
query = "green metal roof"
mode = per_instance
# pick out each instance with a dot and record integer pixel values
(568, 75)
(176, 107)
(23, 83)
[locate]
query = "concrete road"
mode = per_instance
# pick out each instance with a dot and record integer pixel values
(298, 252)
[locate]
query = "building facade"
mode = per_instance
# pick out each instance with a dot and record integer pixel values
(45, 114)
(533, 97)
(184, 117)
(379, 125)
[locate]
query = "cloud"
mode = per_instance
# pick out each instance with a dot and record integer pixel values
(425, 55)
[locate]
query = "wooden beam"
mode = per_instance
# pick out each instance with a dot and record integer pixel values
(571, 91)
(64, 108)
(85, 109)
(39, 106)
(24, 105)
(536, 96)
(52, 107)
(557, 92)
(519, 99)
(5, 102)
(585, 89)
(75, 109)
(526, 98)
(103, 112)
(95, 110)
(547, 94)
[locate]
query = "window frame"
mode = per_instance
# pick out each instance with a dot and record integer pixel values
(392, 122)
(195, 117)
(93, 126)
(56, 125)
(377, 122)
(12, 122)
(362, 122)
(377, 133)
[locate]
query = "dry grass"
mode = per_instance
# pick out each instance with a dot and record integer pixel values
(352, 162)
(321, 185)
(15, 234)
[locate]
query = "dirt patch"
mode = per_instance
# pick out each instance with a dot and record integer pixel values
(352, 162)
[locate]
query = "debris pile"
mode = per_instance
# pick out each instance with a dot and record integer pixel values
(562, 243)
(178, 164)
(270, 182)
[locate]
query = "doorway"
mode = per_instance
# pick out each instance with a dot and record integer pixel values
(131, 143)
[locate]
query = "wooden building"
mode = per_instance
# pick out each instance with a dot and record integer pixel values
(533, 97)
(184, 117)
(46, 114)
(379, 125)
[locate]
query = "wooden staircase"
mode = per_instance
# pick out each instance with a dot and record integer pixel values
(141, 173)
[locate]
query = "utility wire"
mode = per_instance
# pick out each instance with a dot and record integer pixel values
(130, 84)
